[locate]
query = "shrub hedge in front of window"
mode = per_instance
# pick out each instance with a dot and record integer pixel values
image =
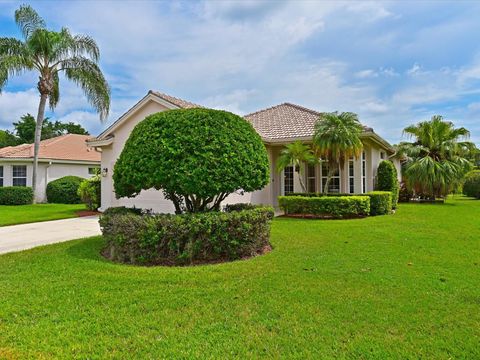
(380, 202)
(336, 207)
(187, 239)
(16, 195)
(64, 190)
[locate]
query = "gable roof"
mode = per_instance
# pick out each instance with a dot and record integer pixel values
(183, 104)
(69, 147)
(286, 121)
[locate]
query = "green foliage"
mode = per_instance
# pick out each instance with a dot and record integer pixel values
(380, 202)
(438, 158)
(471, 187)
(89, 192)
(240, 207)
(16, 195)
(387, 180)
(64, 190)
(185, 239)
(337, 138)
(196, 156)
(7, 139)
(405, 194)
(25, 129)
(326, 206)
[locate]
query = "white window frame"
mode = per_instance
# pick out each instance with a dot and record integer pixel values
(351, 175)
(93, 170)
(2, 176)
(324, 177)
(16, 177)
(364, 172)
(288, 169)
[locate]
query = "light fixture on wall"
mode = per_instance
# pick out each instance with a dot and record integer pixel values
(104, 172)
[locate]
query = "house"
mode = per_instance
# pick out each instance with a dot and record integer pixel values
(277, 126)
(58, 157)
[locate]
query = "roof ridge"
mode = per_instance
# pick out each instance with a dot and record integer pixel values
(266, 109)
(168, 98)
(300, 107)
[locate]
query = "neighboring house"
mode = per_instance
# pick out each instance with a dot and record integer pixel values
(60, 156)
(278, 125)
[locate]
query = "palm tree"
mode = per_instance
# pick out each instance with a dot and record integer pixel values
(296, 154)
(50, 53)
(438, 158)
(336, 139)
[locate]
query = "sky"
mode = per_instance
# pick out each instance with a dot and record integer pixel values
(392, 63)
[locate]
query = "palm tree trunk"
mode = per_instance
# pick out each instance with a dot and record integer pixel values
(36, 147)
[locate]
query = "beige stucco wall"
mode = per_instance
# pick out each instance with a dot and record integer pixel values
(46, 173)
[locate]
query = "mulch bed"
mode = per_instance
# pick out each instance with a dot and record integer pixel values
(319, 217)
(82, 213)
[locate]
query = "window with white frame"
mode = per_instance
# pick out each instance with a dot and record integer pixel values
(1, 176)
(311, 179)
(93, 171)
(364, 172)
(288, 180)
(351, 175)
(334, 186)
(19, 175)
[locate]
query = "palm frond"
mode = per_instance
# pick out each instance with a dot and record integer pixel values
(28, 20)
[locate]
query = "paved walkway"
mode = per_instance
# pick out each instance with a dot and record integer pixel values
(27, 236)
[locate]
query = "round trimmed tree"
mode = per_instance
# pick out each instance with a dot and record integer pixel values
(197, 157)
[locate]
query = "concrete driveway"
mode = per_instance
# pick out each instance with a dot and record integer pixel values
(21, 237)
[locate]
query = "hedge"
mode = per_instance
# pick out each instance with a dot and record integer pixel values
(380, 202)
(64, 190)
(186, 239)
(16, 195)
(471, 187)
(89, 192)
(387, 180)
(325, 206)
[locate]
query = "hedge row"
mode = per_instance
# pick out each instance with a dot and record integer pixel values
(380, 203)
(324, 206)
(471, 187)
(136, 238)
(16, 195)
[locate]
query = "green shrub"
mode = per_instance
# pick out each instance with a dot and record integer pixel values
(89, 192)
(122, 210)
(196, 156)
(471, 186)
(240, 207)
(16, 195)
(380, 202)
(185, 239)
(325, 206)
(387, 180)
(405, 194)
(64, 190)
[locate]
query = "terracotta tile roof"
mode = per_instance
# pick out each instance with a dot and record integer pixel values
(175, 101)
(285, 121)
(65, 147)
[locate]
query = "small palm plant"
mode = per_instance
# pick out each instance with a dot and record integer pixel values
(50, 53)
(336, 139)
(296, 154)
(438, 158)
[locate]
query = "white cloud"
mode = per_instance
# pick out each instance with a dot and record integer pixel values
(13, 105)
(414, 70)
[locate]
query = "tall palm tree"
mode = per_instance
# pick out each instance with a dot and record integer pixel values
(50, 53)
(296, 154)
(336, 139)
(438, 158)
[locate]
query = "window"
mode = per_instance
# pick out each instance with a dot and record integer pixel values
(364, 172)
(351, 175)
(288, 180)
(382, 155)
(19, 175)
(311, 179)
(93, 171)
(1, 176)
(334, 186)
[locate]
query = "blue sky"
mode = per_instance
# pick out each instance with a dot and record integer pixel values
(393, 63)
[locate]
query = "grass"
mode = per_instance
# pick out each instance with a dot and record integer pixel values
(22, 214)
(402, 286)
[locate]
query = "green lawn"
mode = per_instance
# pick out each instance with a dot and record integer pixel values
(22, 214)
(403, 286)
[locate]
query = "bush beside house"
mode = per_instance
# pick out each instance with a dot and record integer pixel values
(186, 239)
(16, 195)
(64, 190)
(89, 192)
(325, 206)
(387, 180)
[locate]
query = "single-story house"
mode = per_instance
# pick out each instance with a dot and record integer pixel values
(58, 157)
(277, 126)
